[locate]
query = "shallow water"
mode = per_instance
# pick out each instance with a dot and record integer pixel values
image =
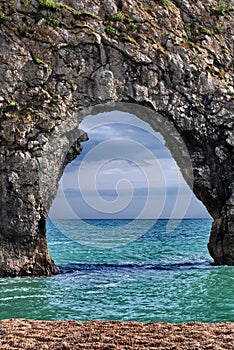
(160, 276)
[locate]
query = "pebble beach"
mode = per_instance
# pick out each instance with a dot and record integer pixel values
(66, 335)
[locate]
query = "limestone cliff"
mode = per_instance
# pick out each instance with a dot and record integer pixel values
(61, 60)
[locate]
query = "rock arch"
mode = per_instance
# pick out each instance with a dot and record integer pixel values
(61, 60)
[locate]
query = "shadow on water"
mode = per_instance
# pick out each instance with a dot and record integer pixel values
(71, 268)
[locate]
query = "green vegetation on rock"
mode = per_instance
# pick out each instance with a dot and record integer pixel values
(38, 61)
(111, 30)
(50, 4)
(14, 104)
(223, 8)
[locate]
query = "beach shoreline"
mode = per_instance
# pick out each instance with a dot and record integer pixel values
(67, 335)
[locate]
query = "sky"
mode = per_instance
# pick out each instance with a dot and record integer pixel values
(124, 171)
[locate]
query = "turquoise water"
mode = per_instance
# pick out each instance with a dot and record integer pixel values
(161, 276)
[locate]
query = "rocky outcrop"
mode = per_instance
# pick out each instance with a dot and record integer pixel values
(62, 60)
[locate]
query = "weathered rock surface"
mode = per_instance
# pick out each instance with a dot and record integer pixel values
(63, 60)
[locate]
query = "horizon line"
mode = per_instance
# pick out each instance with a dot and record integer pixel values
(78, 219)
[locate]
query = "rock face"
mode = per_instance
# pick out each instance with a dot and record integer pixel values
(63, 60)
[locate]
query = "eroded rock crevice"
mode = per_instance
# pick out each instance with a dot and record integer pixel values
(62, 60)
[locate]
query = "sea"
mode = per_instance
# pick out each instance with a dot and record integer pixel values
(126, 270)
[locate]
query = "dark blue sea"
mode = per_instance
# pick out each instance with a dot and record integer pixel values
(125, 270)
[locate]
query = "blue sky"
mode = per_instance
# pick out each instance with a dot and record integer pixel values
(124, 171)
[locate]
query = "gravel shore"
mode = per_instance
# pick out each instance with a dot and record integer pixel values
(67, 335)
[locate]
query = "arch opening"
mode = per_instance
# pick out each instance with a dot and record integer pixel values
(126, 172)
(138, 144)
(182, 150)
(64, 145)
